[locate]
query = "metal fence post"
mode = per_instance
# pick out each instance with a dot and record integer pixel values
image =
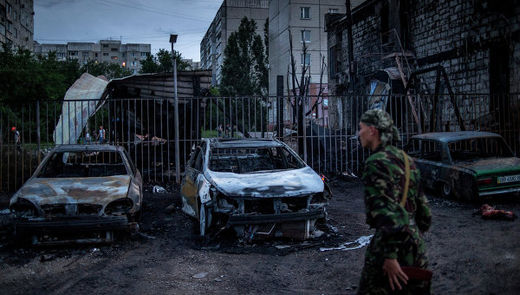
(38, 127)
(173, 39)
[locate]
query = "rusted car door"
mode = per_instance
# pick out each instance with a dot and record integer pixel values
(433, 161)
(190, 185)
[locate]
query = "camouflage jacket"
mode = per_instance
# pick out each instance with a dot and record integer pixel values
(384, 179)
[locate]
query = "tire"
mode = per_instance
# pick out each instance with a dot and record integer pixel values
(446, 189)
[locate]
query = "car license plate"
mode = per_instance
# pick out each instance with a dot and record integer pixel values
(508, 179)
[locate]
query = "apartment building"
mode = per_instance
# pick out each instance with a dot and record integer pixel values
(305, 21)
(112, 51)
(17, 23)
(226, 21)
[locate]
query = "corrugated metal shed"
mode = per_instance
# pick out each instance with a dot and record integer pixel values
(157, 86)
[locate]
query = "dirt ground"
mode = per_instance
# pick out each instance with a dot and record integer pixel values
(468, 255)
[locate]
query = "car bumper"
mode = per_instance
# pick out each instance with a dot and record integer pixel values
(80, 230)
(500, 192)
(275, 218)
(294, 225)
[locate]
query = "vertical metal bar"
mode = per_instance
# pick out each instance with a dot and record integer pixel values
(149, 136)
(154, 144)
(168, 137)
(38, 128)
(176, 123)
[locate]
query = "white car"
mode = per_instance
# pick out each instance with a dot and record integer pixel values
(261, 188)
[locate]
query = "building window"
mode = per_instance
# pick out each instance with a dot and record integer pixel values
(73, 53)
(305, 12)
(9, 26)
(144, 54)
(105, 45)
(306, 36)
(333, 10)
(95, 54)
(306, 59)
(113, 49)
(105, 53)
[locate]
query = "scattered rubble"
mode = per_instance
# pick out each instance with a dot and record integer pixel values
(361, 242)
(157, 189)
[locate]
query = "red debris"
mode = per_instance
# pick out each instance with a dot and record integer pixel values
(489, 212)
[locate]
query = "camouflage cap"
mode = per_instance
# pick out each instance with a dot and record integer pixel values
(383, 122)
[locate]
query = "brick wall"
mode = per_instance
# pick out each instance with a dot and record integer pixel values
(468, 38)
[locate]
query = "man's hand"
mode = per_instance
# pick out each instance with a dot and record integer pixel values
(394, 272)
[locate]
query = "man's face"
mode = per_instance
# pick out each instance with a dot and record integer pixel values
(367, 134)
(100, 127)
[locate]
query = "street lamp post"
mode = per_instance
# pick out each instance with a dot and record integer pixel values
(173, 39)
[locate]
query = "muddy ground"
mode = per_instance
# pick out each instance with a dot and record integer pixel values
(468, 255)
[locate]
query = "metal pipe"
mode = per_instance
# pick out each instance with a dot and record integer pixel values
(173, 39)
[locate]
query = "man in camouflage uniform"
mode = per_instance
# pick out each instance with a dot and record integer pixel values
(397, 240)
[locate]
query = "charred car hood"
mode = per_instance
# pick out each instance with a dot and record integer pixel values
(91, 190)
(492, 165)
(287, 183)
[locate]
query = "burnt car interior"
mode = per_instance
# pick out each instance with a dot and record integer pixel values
(471, 149)
(426, 149)
(83, 164)
(250, 160)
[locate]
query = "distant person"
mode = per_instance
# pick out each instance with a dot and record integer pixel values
(101, 135)
(88, 139)
(396, 208)
(16, 138)
(219, 130)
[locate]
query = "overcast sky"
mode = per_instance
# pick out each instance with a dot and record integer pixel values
(131, 21)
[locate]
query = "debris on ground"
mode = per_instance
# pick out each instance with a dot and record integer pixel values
(200, 275)
(489, 212)
(359, 243)
(157, 189)
(170, 208)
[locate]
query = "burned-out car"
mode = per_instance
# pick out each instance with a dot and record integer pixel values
(468, 165)
(260, 188)
(79, 194)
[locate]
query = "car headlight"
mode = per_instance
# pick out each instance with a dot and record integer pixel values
(120, 206)
(24, 208)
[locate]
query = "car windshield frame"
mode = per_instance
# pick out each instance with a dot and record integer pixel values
(264, 159)
(67, 165)
(473, 149)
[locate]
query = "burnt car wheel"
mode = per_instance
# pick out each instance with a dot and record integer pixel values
(446, 189)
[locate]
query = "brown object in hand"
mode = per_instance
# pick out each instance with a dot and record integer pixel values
(417, 273)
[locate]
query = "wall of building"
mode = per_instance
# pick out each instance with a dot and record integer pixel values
(226, 21)
(17, 23)
(285, 18)
(477, 42)
(111, 51)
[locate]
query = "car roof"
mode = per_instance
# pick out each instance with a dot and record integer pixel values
(454, 136)
(244, 143)
(87, 147)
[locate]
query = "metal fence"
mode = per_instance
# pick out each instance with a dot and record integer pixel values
(327, 141)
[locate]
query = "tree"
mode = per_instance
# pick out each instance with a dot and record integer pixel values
(162, 62)
(25, 79)
(244, 71)
(109, 70)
